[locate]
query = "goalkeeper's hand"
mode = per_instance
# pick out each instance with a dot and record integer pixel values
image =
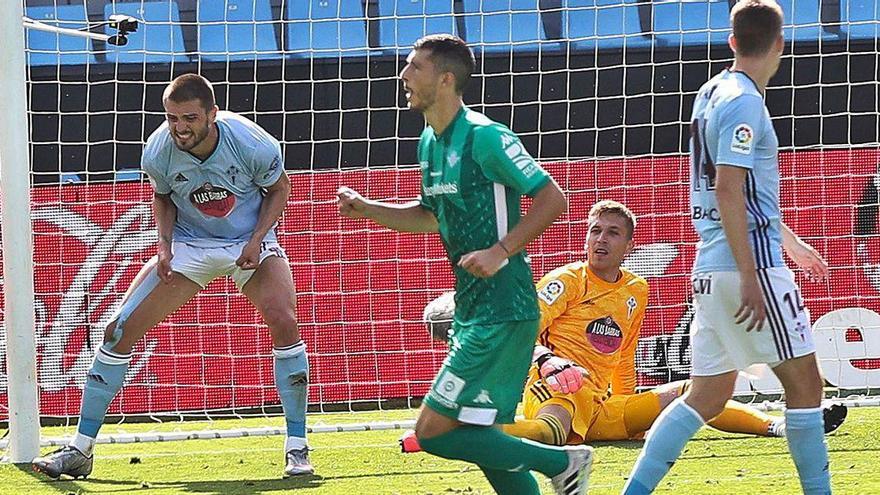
(562, 375)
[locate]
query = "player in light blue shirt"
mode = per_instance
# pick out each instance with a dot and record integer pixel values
(220, 188)
(731, 127)
(748, 308)
(218, 198)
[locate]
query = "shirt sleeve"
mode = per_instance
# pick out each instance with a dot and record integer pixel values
(623, 380)
(504, 159)
(739, 122)
(556, 291)
(150, 166)
(268, 164)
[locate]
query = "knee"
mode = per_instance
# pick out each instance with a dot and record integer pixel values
(425, 428)
(806, 392)
(281, 320)
(113, 340)
(431, 424)
(706, 405)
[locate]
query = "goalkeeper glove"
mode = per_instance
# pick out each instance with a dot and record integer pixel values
(560, 374)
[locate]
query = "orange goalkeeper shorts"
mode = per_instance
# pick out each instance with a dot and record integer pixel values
(594, 416)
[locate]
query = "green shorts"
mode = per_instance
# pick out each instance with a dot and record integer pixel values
(481, 381)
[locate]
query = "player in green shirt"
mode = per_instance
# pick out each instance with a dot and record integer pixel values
(474, 172)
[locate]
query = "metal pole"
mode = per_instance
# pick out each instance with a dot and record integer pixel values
(15, 216)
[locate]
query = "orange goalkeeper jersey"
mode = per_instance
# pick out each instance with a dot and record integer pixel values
(594, 323)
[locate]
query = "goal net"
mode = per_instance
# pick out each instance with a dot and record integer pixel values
(599, 90)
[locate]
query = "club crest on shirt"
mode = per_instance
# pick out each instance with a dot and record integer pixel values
(452, 159)
(604, 334)
(631, 305)
(212, 200)
(742, 140)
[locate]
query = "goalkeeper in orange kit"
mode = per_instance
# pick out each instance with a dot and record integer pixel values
(581, 386)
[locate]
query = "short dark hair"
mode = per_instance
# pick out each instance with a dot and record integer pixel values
(190, 87)
(450, 54)
(614, 208)
(757, 24)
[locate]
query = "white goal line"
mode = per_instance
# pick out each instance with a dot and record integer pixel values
(175, 436)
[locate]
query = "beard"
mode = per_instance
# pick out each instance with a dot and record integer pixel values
(421, 101)
(193, 139)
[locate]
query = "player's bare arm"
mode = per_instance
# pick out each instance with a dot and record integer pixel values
(403, 217)
(732, 206)
(805, 256)
(165, 213)
(548, 204)
(270, 210)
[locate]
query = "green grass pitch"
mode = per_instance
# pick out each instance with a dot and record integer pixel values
(370, 463)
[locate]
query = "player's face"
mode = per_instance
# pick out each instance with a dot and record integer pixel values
(608, 242)
(420, 80)
(188, 122)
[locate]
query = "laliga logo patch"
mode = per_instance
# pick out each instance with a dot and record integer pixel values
(605, 334)
(213, 201)
(551, 292)
(742, 140)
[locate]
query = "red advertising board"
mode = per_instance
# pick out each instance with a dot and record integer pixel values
(361, 288)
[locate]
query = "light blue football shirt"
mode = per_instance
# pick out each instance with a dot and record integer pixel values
(218, 200)
(731, 126)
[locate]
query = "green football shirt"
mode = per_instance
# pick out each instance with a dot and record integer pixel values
(473, 176)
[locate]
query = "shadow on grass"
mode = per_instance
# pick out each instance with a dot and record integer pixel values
(68, 485)
(619, 444)
(219, 487)
(271, 486)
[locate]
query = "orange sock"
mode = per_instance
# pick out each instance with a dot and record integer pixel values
(739, 418)
(544, 429)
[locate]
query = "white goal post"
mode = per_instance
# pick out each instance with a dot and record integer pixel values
(18, 268)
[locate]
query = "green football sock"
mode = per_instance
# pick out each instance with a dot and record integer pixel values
(490, 448)
(512, 482)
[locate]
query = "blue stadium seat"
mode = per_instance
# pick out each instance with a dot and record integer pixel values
(45, 48)
(69, 177)
(159, 39)
(692, 23)
(402, 22)
(503, 25)
(604, 24)
(127, 174)
(801, 21)
(326, 28)
(860, 19)
(236, 30)
(579, 23)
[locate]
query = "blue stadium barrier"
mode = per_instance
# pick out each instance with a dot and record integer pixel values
(402, 22)
(127, 174)
(692, 22)
(45, 48)
(603, 24)
(503, 25)
(236, 30)
(158, 40)
(326, 28)
(859, 19)
(69, 177)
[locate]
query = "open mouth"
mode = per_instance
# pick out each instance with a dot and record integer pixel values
(602, 251)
